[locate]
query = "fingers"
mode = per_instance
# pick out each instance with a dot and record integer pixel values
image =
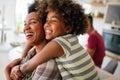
(13, 74)
(14, 77)
(16, 74)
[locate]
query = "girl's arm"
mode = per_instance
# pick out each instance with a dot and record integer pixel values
(51, 50)
(7, 73)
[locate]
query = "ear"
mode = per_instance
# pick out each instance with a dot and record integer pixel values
(68, 29)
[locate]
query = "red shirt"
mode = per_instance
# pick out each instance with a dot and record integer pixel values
(96, 42)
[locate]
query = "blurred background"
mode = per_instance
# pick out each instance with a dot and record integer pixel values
(13, 13)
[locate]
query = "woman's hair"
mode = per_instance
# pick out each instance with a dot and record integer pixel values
(42, 10)
(71, 12)
(32, 7)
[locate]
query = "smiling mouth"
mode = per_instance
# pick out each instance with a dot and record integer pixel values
(48, 31)
(29, 35)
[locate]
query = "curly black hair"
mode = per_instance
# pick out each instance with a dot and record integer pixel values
(32, 7)
(42, 9)
(71, 12)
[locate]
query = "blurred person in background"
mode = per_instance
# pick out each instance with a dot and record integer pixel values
(95, 44)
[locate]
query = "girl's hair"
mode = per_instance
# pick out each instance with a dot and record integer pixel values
(71, 12)
(41, 9)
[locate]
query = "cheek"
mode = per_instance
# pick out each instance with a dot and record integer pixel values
(57, 27)
(37, 28)
(39, 32)
(37, 36)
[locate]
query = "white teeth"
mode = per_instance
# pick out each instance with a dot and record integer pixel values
(48, 31)
(29, 34)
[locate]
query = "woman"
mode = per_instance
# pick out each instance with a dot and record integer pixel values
(35, 36)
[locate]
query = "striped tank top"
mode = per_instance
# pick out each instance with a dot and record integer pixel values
(76, 63)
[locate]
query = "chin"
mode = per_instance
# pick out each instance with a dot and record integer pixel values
(29, 42)
(49, 38)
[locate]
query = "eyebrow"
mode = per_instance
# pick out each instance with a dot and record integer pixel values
(55, 17)
(32, 19)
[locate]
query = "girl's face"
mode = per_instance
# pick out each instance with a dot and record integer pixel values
(55, 26)
(33, 29)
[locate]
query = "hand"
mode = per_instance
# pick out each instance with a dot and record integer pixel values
(10, 66)
(16, 73)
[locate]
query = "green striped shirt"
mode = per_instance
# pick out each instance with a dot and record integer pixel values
(75, 64)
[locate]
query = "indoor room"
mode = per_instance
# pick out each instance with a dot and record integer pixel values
(106, 21)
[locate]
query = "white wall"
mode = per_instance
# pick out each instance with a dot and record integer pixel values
(9, 11)
(9, 18)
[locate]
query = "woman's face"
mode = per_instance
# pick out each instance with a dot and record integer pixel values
(33, 29)
(54, 26)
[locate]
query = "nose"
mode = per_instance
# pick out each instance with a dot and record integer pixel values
(46, 24)
(26, 26)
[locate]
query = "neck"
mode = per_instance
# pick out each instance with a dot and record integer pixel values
(92, 30)
(40, 46)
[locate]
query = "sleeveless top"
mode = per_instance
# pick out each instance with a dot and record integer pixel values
(76, 63)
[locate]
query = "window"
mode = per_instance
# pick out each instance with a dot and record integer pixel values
(21, 12)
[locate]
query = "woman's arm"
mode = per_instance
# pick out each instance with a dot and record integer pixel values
(16, 74)
(10, 66)
(7, 73)
(51, 50)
